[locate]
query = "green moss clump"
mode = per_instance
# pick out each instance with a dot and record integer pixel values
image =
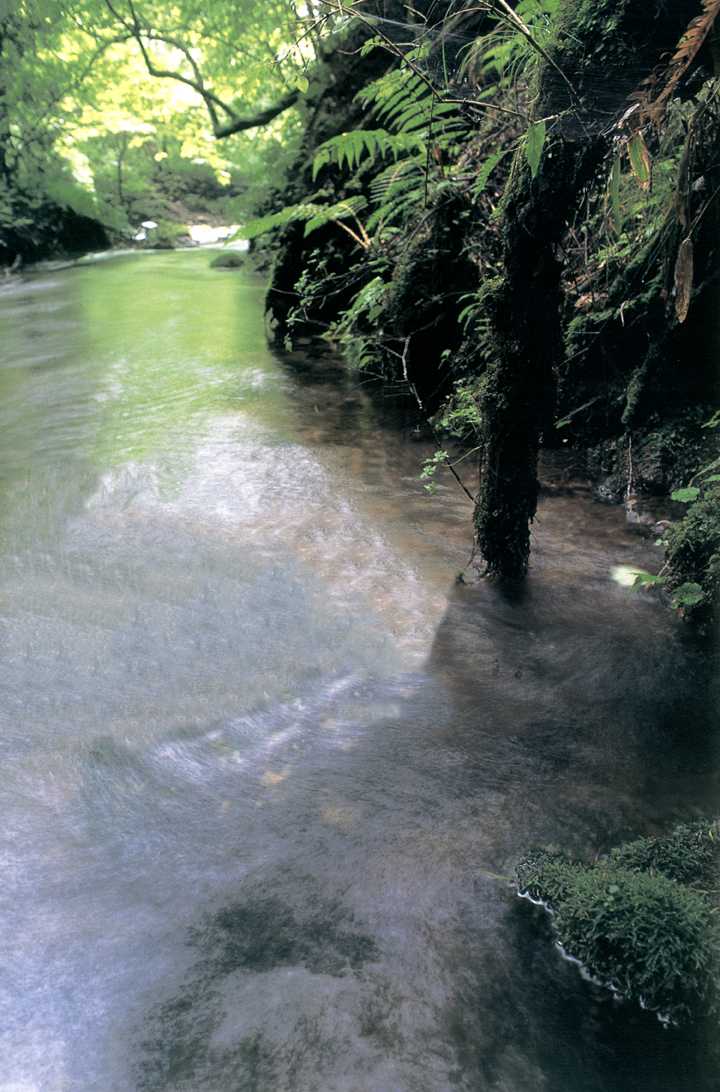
(688, 855)
(635, 921)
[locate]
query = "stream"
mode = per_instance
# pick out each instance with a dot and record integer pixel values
(264, 761)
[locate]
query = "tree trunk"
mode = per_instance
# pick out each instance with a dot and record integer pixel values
(602, 51)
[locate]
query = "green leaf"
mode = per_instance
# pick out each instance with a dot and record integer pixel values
(534, 144)
(485, 170)
(640, 160)
(687, 495)
(713, 478)
(647, 580)
(302, 83)
(688, 595)
(370, 45)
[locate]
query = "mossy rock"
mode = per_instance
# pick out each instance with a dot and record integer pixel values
(637, 920)
(228, 259)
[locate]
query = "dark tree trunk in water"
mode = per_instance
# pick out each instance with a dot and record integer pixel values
(604, 49)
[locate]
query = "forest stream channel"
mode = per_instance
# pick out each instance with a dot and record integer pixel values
(264, 759)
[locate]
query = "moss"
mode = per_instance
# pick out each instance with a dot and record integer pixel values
(634, 920)
(689, 854)
(519, 392)
(429, 281)
(604, 48)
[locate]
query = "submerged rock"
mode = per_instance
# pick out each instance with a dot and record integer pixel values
(229, 259)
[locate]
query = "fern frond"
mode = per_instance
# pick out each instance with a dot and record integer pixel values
(314, 214)
(341, 210)
(401, 201)
(350, 148)
(393, 175)
(262, 224)
(486, 169)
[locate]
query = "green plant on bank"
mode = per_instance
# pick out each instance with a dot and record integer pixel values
(692, 545)
(459, 420)
(167, 235)
(356, 330)
(644, 920)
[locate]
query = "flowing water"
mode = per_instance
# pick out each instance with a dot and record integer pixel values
(264, 762)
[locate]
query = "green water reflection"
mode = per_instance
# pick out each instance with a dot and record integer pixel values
(111, 363)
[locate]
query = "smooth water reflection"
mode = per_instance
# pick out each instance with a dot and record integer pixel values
(261, 754)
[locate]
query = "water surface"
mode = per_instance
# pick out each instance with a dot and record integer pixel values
(263, 757)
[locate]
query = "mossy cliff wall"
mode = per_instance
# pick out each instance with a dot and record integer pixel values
(609, 367)
(601, 52)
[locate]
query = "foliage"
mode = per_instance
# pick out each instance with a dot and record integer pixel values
(228, 259)
(460, 417)
(688, 854)
(534, 144)
(692, 548)
(348, 149)
(652, 100)
(417, 123)
(504, 57)
(356, 330)
(312, 213)
(167, 235)
(633, 920)
(114, 105)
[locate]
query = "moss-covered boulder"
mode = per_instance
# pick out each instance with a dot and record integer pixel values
(642, 921)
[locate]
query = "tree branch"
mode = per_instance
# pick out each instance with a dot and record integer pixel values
(236, 123)
(260, 117)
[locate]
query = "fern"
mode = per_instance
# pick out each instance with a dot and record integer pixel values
(406, 105)
(348, 149)
(485, 171)
(401, 198)
(414, 123)
(341, 210)
(350, 331)
(315, 216)
(504, 53)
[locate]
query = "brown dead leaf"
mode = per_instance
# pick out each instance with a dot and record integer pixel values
(683, 279)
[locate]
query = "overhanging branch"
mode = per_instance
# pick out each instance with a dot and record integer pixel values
(235, 123)
(239, 124)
